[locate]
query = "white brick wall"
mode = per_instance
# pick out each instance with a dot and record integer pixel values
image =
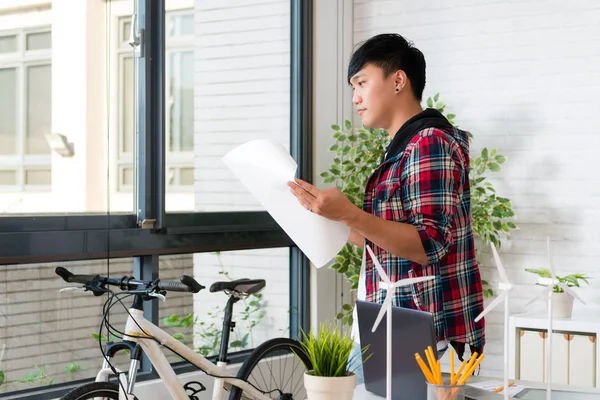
(523, 77)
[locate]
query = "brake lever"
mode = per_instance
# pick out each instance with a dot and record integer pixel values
(158, 295)
(72, 289)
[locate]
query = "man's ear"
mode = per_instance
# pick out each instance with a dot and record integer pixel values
(400, 79)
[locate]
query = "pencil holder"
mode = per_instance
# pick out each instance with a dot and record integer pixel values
(445, 392)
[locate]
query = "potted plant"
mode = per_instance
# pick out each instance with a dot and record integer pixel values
(329, 352)
(357, 153)
(562, 303)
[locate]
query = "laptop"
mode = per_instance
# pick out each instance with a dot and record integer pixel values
(412, 332)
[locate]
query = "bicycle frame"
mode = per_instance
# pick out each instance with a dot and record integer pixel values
(154, 352)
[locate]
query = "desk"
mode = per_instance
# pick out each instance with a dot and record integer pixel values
(564, 392)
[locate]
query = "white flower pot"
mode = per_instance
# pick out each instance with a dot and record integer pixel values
(327, 388)
(562, 305)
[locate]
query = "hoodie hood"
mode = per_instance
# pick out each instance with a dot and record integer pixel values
(428, 118)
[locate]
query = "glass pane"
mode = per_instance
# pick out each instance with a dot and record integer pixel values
(186, 176)
(8, 44)
(241, 77)
(126, 32)
(127, 104)
(38, 177)
(182, 25)
(172, 313)
(8, 111)
(258, 318)
(73, 91)
(8, 178)
(127, 177)
(39, 112)
(181, 136)
(50, 335)
(39, 41)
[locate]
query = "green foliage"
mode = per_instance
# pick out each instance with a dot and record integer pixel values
(358, 152)
(571, 280)
(329, 350)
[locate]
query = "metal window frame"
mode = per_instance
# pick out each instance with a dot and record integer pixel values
(153, 232)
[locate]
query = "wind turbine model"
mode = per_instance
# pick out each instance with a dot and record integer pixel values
(505, 287)
(387, 307)
(551, 282)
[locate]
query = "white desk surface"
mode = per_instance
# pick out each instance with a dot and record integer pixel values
(361, 393)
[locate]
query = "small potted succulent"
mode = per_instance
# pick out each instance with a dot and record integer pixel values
(329, 351)
(562, 302)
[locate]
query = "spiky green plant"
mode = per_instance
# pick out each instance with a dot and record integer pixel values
(329, 350)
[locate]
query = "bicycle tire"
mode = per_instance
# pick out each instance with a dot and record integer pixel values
(94, 390)
(289, 345)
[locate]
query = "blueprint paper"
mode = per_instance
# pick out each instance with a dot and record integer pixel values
(265, 167)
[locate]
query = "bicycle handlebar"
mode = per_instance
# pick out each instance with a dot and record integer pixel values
(187, 284)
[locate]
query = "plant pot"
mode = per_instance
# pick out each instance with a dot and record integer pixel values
(328, 388)
(562, 305)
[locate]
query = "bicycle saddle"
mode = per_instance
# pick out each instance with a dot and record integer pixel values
(243, 286)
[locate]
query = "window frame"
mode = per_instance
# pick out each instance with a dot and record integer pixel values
(176, 160)
(152, 231)
(21, 60)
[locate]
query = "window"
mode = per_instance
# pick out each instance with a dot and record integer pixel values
(241, 79)
(258, 318)
(90, 67)
(179, 101)
(25, 109)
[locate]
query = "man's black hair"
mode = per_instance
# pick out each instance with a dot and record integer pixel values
(391, 52)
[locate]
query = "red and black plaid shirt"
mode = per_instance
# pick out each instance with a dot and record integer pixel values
(427, 186)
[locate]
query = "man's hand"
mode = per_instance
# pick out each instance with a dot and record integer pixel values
(329, 203)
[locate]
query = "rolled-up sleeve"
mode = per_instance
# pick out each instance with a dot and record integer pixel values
(431, 182)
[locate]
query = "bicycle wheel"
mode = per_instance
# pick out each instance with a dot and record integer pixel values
(94, 390)
(274, 369)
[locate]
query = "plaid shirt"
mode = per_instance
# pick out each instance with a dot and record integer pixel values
(427, 186)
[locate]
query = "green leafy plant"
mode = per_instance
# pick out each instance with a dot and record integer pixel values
(358, 152)
(328, 350)
(571, 280)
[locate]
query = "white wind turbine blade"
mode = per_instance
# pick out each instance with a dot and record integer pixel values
(542, 296)
(385, 307)
(492, 305)
(571, 292)
(501, 270)
(380, 270)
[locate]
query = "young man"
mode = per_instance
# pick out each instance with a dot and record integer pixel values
(416, 215)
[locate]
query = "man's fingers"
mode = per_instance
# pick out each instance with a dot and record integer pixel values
(307, 186)
(300, 191)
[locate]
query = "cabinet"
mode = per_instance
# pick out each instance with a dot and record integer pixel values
(574, 350)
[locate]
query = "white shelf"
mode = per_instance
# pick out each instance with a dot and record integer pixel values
(574, 339)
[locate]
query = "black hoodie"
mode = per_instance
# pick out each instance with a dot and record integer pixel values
(428, 118)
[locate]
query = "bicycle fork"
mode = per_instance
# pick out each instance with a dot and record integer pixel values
(126, 382)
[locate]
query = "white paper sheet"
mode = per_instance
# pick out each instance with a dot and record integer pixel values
(491, 385)
(265, 167)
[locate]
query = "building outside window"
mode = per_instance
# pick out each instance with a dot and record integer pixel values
(25, 109)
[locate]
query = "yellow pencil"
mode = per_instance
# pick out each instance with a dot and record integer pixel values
(451, 366)
(426, 372)
(501, 388)
(460, 370)
(469, 372)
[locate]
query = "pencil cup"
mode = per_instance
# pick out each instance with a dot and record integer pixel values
(445, 392)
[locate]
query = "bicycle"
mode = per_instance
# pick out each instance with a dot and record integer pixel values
(142, 336)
